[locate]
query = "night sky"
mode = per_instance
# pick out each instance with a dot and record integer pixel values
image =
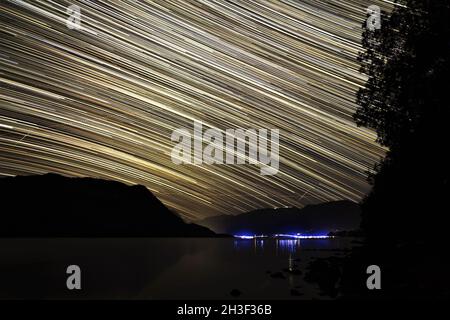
(103, 101)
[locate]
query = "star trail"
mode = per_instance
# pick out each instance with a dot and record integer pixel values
(103, 100)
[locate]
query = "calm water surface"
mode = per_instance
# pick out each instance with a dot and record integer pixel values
(169, 268)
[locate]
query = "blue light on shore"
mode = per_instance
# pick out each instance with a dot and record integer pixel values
(300, 236)
(291, 236)
(244, 237)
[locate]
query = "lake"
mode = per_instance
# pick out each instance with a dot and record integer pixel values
(162, 268)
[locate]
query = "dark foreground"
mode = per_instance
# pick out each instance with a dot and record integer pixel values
(169, 268)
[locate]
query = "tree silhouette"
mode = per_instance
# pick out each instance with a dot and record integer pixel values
(406, 101)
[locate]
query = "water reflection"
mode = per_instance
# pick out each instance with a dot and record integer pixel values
(140, 268)
(282, 246)
(289, 246)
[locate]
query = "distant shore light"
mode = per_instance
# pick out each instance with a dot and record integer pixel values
(292, 236)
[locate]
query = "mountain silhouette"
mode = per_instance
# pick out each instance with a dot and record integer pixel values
(312, 219)
(51, 205)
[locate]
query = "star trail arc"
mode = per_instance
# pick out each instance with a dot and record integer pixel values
(102, 101)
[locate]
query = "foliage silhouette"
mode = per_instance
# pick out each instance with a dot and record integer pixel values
(406, 101)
